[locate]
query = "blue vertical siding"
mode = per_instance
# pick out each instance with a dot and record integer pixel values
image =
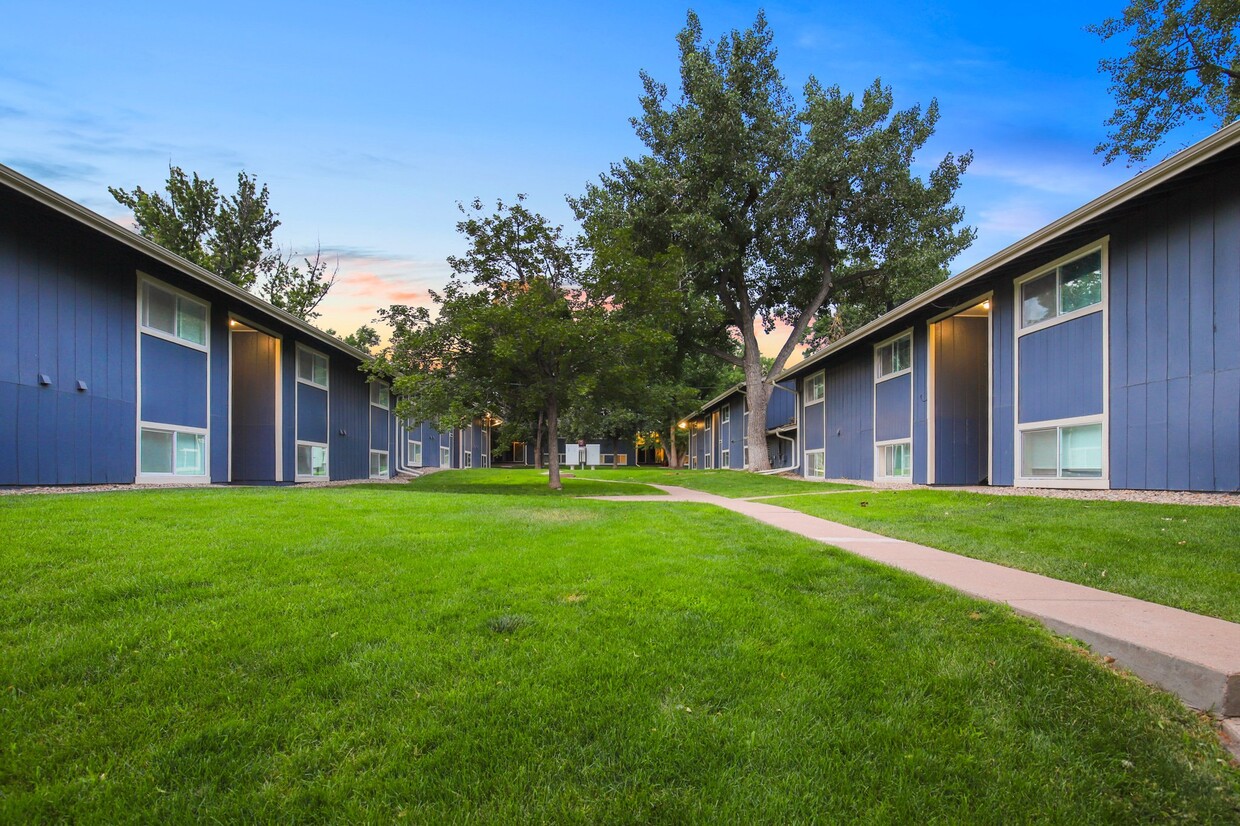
(850, 417)
(350, 420)
(379, 436)
(813, 420)
(1174, 369)
(174, 383)
(67, 310)
(893, 408)
(1002, 387)
(312, 412)
(1061, 370)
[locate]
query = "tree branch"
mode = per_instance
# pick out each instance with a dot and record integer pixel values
(720, 354)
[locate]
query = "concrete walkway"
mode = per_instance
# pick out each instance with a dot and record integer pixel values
(1194, 657)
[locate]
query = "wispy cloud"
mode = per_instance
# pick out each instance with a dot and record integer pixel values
(46, 171)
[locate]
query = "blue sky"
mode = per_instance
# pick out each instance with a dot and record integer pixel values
(369, 121)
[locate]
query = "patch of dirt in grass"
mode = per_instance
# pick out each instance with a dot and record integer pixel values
(574, 598)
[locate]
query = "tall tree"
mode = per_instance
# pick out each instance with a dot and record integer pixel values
(515, 324)
(778, 207)
(297, 291)
(1182, 65)
(228, 235)
(231, 236)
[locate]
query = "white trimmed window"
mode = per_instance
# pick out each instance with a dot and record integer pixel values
(311, 461)
(378, 464)
(415, 453)
(1069, 288)
(895, 460)
(468, 459)
(1062, 452)
(622, 458)
(816, 464)
(380, 395)
(445, 456)
(312, 368)
(815, 388)
(894, 358)
(173, 452)
(724, 458)
(745, 456)
(725, 414)
(173, 316)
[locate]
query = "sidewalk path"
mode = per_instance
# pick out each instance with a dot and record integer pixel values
(1195, 657)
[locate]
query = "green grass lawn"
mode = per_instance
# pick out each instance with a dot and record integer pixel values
(734, 484)
(390, 654)
(520, 482)
(1179, 555)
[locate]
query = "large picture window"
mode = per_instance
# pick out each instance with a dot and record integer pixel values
(378, 464)
(178, 317)
(1064, 289)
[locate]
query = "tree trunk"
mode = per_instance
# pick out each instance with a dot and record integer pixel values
(538, 443)
(758, 392)
(673, 455)
(553, 445)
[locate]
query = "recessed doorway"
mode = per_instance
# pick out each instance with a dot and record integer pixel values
(254, 404)
(960, 396)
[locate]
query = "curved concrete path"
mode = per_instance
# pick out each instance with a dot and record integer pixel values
(1194, 657)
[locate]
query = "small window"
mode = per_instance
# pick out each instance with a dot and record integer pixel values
(895, 357)
(312, 368)
(725, 415)
(468, 459)
(896, 461)
(1073, 452)
(312, 461)
(380, 395)
(1069, 287)
(415, 453)
(815, 388)
(445, 456)
(745, 457)
(378, 464)
(622, 458)
(815, 464)
(179, 317)
(724, 458)
(175, 453)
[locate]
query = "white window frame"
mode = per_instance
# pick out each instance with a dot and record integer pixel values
(725, 459)
(381, 385)
(809, 383)
(387, 467)
(141, 424)
(327, 462)
(821, 451)
(745, 456)
(298, 441)
(622, 459)
(1018, 460)
(725, 414)
(297, 367)
(145, 281)
(879, 376)
(155, 478)
(415, 456)
(445, 454)
(880, 464)
(1052, 269)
